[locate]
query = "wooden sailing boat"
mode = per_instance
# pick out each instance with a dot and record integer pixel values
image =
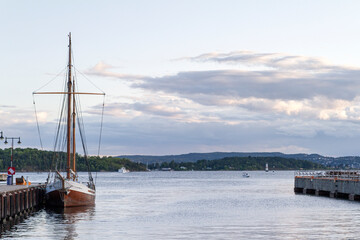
(66, 190)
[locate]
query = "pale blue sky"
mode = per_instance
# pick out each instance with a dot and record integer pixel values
(192, 76)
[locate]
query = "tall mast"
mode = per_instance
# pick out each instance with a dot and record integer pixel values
(73, 130)
(69, 85)
(71, 116)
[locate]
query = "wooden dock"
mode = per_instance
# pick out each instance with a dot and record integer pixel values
(18, 200)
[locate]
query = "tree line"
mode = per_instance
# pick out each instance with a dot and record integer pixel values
(34, 160)
(238, 163)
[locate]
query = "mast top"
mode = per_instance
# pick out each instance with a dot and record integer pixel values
(69, 44)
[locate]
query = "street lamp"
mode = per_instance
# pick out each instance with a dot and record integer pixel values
(1, 135)
(12, 147)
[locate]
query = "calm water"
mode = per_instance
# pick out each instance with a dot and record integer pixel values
(196, 205)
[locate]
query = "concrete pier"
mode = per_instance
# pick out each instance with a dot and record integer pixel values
(334, 184)
(19, 200)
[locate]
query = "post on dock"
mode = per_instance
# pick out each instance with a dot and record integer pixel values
(16, 200)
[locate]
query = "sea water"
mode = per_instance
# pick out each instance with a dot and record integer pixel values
(195, 205)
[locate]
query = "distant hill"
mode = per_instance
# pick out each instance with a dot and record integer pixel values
(193, 157)
(341, 162)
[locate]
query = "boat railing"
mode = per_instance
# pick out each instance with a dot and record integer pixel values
(343, 174)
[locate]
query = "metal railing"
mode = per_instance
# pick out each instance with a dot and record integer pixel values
(344, 174)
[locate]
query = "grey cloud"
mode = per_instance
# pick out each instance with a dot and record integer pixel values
(273, 60)
(147, 108)
(7, 106)
(259, 84)
(290, 78)
(148, 135)
(151, 135)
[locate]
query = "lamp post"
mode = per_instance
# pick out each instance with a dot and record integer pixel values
(12, 147)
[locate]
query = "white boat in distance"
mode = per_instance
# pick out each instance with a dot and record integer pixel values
(123, 170)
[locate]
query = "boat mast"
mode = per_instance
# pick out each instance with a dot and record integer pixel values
(73, 131)
(69, 85)
(71, 115)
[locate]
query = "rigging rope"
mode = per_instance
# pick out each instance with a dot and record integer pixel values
(60, 136)
(81, 127)
(103, 106)
(101, 124)
(37, 123)
(50, 80)
(89, 80)
(60, 140)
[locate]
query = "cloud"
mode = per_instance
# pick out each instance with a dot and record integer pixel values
(271, 60)
(10, 115)
(103, 69)
(121, 109)
(163, 136)
(256, 102)
(292, 85)
(258, 84)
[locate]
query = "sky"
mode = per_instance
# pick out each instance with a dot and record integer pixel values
(188, 76)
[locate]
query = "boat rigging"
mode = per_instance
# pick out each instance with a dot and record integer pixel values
(68, 191)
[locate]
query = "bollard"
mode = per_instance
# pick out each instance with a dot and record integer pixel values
(9, 180)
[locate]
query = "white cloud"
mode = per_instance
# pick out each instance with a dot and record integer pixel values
(103, 69)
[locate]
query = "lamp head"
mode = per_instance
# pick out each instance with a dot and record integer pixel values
(1, 135)
(19, 142)
(6, 142)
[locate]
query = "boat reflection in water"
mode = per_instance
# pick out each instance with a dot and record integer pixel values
(68, 219)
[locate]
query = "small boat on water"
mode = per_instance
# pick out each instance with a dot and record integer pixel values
(123, 170)
(64, 188)
(246, 175)
(266, 167)
(166, 169)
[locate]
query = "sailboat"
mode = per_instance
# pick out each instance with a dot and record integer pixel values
(266, 167)
(63, 188)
